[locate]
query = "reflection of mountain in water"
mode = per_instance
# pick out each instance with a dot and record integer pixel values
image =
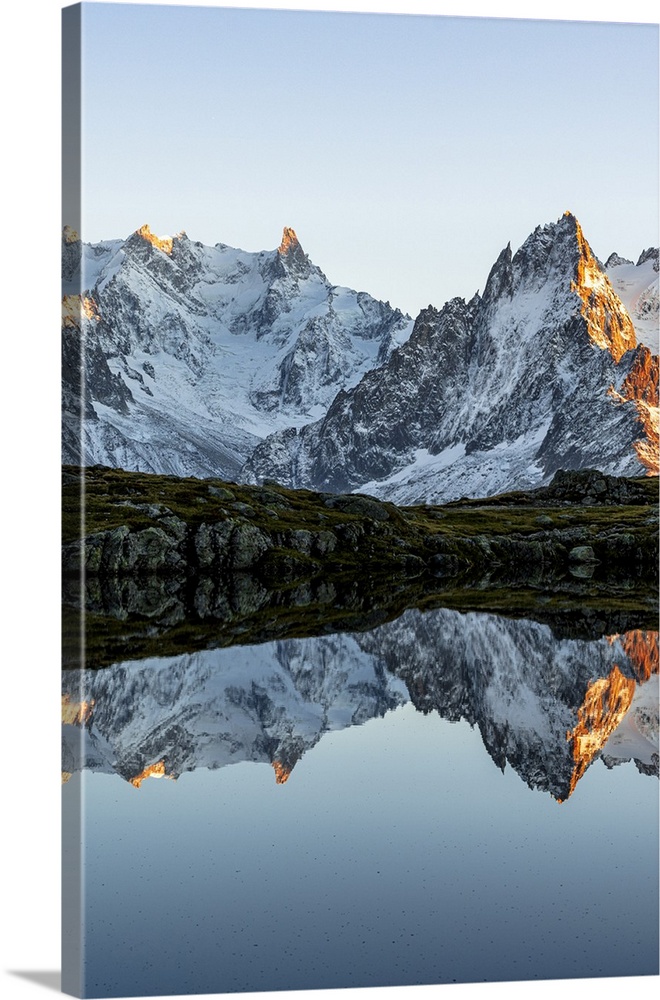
(265, 703)
(546, 706)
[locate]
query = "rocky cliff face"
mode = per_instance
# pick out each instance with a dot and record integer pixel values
(638, 287)
(207, 348)
(500, 392)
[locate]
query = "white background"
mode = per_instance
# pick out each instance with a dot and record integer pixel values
(29, 528)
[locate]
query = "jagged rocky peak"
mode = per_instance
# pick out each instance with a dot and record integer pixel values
(503, 391)
(163, 243)
(500, 279)
(608, 324)
(550, 247)
(290, 242)
(557, 252)
(555, 247)
(615, 260)
(651, 254)
(174, 261)
(292, 255)
(531, 369)
(188, 304)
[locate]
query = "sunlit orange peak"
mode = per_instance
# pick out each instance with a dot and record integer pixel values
(282, 772)
(289, 240)
(641, 387)
(152, 771)
(76, 713)
(608, 323)
(605, 703)
(70, 235)
(163, 243)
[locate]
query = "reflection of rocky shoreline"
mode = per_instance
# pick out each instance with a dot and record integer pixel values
(546, 706)
(171, 564)
(131, 618)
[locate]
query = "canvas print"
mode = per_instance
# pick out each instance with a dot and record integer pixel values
(360, 500)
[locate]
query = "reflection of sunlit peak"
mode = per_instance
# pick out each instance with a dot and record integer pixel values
(152, 771)
(282, 772)
(76, 713)
(66, 776)
(163, 243)
(605, 703)
(641, 648)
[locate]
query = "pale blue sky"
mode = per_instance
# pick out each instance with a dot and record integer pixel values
(406, 151)
(31, 115)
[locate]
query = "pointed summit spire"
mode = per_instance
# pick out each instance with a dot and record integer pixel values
(163, 243)
(608, 324)
(282, 771)
(291, 255)
(290, 242)
(500, 279)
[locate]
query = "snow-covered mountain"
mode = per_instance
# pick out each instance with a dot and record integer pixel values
(194, 360)
(180, 358)
(548, 707)
(541, 372)
(638, 287)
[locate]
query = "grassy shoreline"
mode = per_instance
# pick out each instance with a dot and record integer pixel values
(169, 565)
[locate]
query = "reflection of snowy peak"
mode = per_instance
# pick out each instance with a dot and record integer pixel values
(637, 736)
(526, 691)
(543, 705)
(193, 353)
(637, 285)
(266, 703)
(539, 373)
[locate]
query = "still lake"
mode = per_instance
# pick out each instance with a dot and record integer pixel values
(447, 798)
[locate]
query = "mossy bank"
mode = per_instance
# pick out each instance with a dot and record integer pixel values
(135, 523)
(180, 564)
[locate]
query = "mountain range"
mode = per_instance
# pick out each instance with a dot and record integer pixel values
(193, 354)
(211, 361)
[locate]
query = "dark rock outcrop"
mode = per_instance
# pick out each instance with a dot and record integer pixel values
(139, 524)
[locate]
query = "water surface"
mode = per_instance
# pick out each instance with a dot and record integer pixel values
(447, 798)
